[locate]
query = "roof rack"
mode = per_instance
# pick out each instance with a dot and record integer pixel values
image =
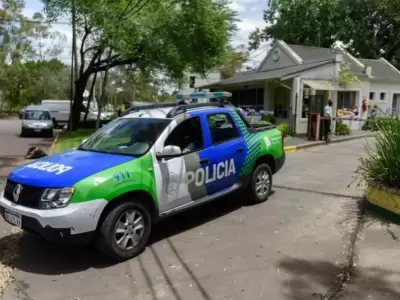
(203, 95)
(181, 106)
(151, 106)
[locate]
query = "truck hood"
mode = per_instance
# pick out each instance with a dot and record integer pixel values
(65, 169)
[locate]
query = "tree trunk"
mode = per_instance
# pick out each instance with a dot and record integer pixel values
(103, 91)
(80, 86)
(90, 95)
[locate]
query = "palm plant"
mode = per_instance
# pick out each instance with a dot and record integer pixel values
(381, 166)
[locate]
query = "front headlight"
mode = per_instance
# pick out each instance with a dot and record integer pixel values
(56, 198)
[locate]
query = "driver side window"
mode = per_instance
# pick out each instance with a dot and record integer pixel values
(188, 136)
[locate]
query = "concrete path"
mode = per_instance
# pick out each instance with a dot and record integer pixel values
(12, 150)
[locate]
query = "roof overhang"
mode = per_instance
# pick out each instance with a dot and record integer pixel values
(321, 85)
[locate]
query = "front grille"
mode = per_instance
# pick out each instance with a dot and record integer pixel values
(30, 195)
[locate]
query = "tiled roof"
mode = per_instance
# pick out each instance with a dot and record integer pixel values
(259, 76)
(381, 71)
(313, 54)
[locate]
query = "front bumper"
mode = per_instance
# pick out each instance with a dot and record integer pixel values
(75, 223)
(37, 131)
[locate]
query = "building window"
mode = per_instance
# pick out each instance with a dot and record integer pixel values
(222, 128)
(372, 96)
(383, 96)
(281, 104)
(306, 107)
(346, 100)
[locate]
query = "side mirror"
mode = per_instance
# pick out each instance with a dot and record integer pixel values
(169, 152)
(84, 140)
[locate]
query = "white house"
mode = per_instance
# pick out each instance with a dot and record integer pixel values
(294, 81)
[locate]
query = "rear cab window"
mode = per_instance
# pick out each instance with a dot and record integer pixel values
(222, 128)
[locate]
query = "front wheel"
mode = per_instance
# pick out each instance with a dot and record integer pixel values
(261, 183)
(125, 231)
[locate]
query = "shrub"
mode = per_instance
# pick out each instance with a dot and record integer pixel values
(260, 123)
(268, 118)
(342, 129)
(381, 166)
(284, 129)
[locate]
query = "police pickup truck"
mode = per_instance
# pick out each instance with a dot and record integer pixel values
(155, 161)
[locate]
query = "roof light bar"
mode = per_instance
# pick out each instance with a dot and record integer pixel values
(203, 95)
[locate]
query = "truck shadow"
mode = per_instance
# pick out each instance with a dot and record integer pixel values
(38, 256)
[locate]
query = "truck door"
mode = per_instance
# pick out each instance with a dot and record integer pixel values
(224, 154)
(175, 184)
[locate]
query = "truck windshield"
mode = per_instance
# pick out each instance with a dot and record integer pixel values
(128, 136)
(36, 115)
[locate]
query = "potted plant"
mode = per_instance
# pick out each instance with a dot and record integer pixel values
(380, 169)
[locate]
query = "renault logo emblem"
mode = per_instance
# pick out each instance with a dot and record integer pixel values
(17, 192)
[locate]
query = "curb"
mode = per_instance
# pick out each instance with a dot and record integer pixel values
(53, 144)
(319, 143)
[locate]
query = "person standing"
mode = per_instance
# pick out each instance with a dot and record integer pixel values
(328, 115)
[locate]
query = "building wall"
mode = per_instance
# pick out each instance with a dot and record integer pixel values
(283, 61)
(389, 89)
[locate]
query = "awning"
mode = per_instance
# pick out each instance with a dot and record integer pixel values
(320, 85)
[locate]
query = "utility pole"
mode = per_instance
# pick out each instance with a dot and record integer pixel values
(72, 64)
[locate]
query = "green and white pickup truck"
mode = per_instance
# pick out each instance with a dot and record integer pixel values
(153, 162)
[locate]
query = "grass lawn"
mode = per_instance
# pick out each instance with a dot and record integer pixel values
(67, 140)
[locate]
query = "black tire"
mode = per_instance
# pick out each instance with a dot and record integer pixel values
(106, 240)
(252, 187)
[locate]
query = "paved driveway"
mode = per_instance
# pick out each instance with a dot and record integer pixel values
(293, 246)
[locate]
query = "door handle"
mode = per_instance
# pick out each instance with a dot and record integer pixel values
(240, 149)
(204, 161)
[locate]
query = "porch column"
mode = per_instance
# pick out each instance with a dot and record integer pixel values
(333, 95)
(268, 100)
(294, 103)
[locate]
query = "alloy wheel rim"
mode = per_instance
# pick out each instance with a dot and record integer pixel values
(129, 229)
(262, 183)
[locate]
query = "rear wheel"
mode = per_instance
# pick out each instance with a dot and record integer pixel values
(261, 183)
(125, 231)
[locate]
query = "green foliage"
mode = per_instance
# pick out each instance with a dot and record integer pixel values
(362, 25)
(168, 37)
(260, 123)
(268, 118)
(370, 124)
(305, 22)
(342, 129)
(234, 62)
(381, 167)
(346, 78)
(284, 129)
(29, 71)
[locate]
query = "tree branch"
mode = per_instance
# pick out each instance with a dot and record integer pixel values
(88, 30)
(113, 64)
(134, 10)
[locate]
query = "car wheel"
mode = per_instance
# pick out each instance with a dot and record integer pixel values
(124, 232)
(261, 183)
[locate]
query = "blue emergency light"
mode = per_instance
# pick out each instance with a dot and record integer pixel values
(203, 95)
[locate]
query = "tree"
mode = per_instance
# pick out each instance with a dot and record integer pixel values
(368, 28)
(234, 62)
(46, 44)
(170, 37)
